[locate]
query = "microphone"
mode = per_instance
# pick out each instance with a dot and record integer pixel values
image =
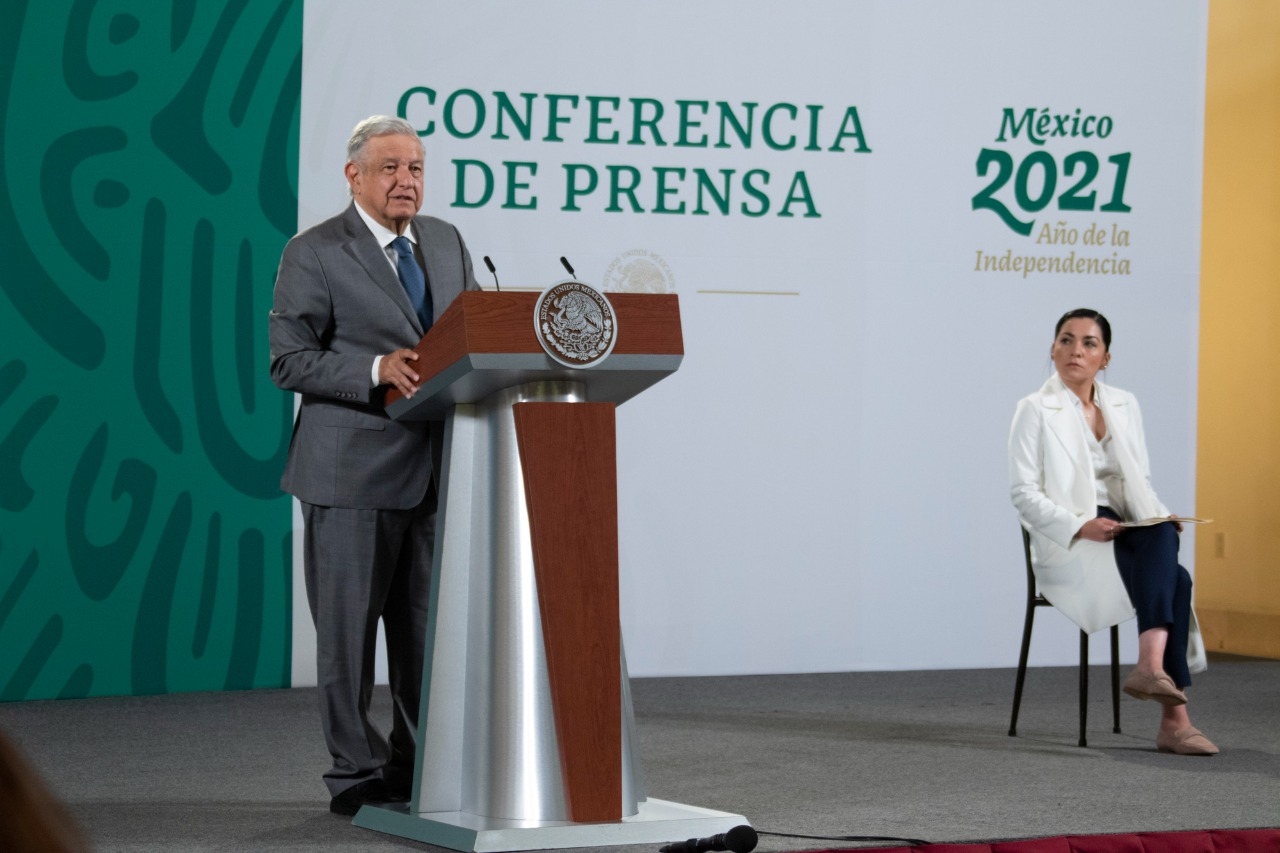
(566, 266)
(740, 839)
(488, 263)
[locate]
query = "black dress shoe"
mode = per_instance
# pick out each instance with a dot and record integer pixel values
(398, 775)
(369, 791)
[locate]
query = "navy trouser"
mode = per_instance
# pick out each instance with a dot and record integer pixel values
(1159, 588)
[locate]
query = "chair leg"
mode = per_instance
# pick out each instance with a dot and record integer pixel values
(1115, 677)
(1084, 684)
(1022, 667)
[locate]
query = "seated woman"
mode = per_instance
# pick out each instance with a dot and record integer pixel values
(1077, 468)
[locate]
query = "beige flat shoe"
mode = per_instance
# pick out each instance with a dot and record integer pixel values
(1186, 741)
(1157, 686)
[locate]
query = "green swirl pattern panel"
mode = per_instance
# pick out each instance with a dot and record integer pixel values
(149, 182)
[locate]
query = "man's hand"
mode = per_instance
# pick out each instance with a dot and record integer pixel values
(1100, 530)
(395, 370)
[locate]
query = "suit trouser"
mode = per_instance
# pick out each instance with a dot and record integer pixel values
(362, 565)
(1159, 588)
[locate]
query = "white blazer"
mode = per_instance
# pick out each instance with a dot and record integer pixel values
(1052, 485)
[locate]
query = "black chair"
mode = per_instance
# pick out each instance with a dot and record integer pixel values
(1034, 600)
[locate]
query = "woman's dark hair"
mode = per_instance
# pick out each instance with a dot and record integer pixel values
(1087, 314)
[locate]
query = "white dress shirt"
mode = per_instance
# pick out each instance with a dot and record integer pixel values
(384, 236)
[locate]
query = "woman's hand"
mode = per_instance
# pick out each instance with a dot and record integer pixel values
(1100, 530)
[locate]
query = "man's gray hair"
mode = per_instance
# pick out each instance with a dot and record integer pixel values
(376, 126)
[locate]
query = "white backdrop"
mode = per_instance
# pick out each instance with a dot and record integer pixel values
(822, 486)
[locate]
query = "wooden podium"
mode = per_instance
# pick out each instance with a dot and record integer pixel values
(526, 735)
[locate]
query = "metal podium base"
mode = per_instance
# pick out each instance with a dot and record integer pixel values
(655, 822)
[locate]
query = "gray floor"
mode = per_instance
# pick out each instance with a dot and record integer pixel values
(909, 754)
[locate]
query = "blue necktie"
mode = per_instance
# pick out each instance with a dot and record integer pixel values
(415, 284)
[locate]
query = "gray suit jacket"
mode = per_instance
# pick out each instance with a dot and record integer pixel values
(338, 303)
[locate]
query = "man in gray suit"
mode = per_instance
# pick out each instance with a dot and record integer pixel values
(353, 295)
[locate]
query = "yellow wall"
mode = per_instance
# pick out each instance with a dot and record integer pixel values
(1238, 469)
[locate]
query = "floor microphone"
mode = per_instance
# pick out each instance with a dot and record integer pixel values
(740, 839)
